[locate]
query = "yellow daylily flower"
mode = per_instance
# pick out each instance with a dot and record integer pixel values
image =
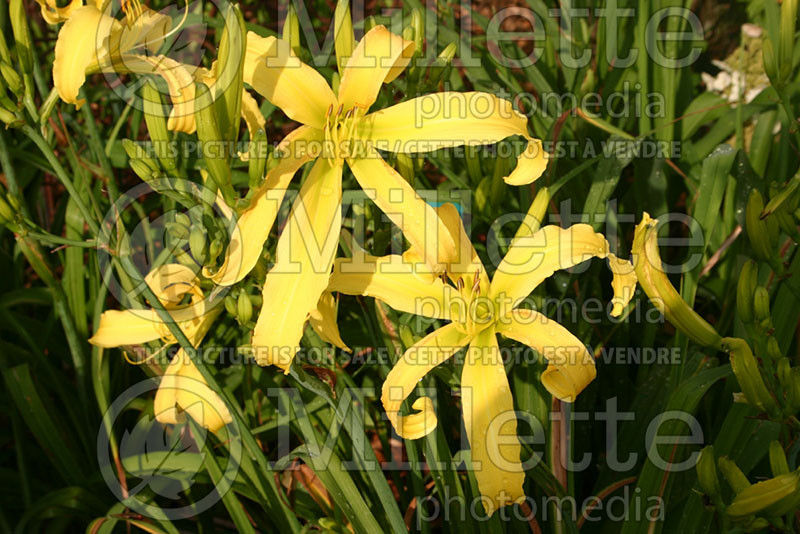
(182, 386)
(660, 290)
(92, 41)
(479, 308)
(53, 14)
(337, 128)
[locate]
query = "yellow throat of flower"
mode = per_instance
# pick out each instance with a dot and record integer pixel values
(473, 312)
(341, 129)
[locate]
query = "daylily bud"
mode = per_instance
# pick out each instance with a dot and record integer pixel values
(176, 232)
(22, 36)
(763, 495)
(12, 120)
(440, 70)
(774, 350)
(244, 308)
(185, 258)
(214, 250)
(156, 121)
(230, 305)
(369, 23)
(291, 30)
(535, 216)
(183, 220)
(197, 243)
(228, 71)
(785, 195)
(659, 289)
(707, 472)
(777, 459)
(5, 101)
(745, 289)
(257, 163)
(786, 49)
(143, 165)
(736, 479)
(418, 25)
(11, 78)
(761, 307)
(344, 38)
(208, 133)
(5, 55)
(46, 109)
(406, 336)
(6, 212)
(770, 62)
(795, 396)
(405, 166)
(745, 367)
(758, 232)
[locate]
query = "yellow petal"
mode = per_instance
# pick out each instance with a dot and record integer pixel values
(165, 404)
(660, 290)
(305, 253)
(491, 424)
(405, 208)
(452, 119)
(148, 30)
(183, 386)
(379, 57)
(533, 258)
(254, 224)
(251, 114)
(392, 279)
(570, 366)
(323, 321)
(416, 362)
(273, 70)
(129, 327)
(197, 399)
(170, 282)
(623, 283)
(179, 81)
(76, 50)
(52, 14)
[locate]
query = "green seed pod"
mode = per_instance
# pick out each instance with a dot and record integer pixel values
(748, 279)
(736, 479)
(244, 308)
(707, 473)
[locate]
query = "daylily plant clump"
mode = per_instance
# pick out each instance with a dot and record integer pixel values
(440, 276)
